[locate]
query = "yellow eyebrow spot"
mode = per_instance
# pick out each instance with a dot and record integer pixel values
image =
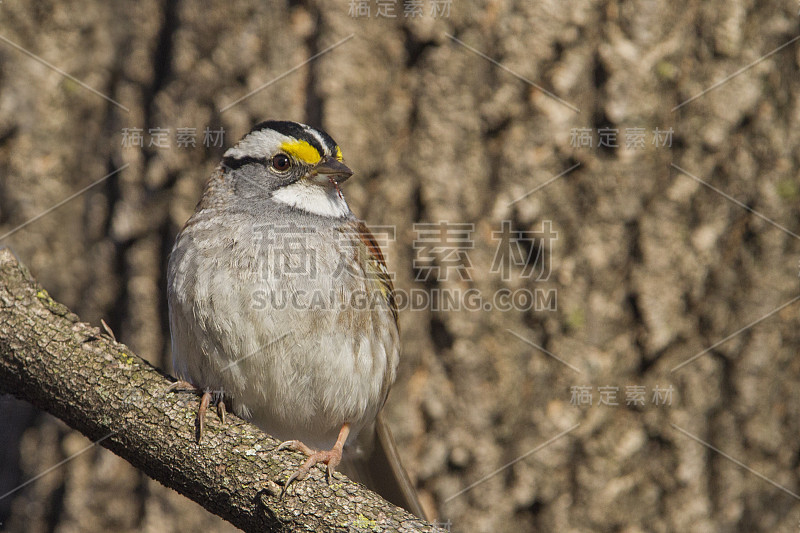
(338, 154)
(302, 150)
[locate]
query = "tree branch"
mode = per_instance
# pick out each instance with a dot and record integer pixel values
(99, 387)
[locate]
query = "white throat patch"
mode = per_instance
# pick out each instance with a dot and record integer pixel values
(313, 198)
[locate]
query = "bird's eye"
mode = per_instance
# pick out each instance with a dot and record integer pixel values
(281, 162)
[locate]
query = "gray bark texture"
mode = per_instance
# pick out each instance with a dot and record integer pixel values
(118, 400)
(664, 252)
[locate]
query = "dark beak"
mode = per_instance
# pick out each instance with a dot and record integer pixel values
(330, 169)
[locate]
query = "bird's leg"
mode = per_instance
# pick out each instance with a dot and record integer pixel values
(331, 457)
(181, 385)
(221, 410)
(205, 401)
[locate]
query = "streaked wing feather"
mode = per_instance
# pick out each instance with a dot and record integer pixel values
(376, 264)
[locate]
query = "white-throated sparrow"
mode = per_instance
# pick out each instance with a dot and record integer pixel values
(281, 304)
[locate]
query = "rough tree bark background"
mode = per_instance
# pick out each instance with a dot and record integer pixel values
(651, 266)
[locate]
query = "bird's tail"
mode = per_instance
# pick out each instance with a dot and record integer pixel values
(382, 472)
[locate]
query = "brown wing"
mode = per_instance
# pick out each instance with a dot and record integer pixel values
(375, 264)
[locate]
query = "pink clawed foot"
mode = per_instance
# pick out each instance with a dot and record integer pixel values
(331, 457)
(205, 400)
